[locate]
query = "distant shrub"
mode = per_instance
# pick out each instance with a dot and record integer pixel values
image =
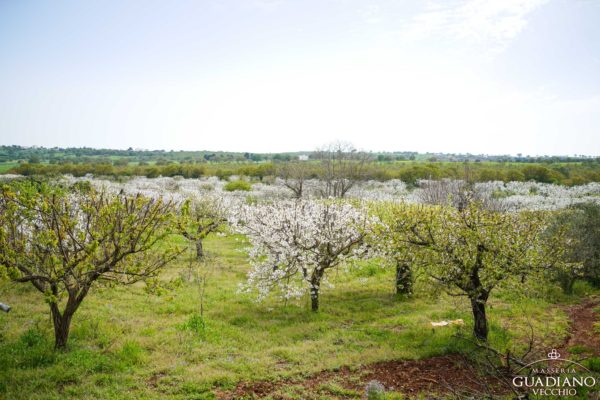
(540, 174)
(238, 185)
(514, 176)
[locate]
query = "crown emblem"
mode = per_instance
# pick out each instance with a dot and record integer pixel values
(553, 355)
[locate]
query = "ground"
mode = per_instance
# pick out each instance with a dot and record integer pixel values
(127, 343)
(584, 329)
(437, 376)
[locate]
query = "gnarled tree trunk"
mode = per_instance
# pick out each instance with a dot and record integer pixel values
(480, 328)
(62, 320)
(62, 325)
(478, 296)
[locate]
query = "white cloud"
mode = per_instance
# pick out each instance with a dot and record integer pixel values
(488, 23)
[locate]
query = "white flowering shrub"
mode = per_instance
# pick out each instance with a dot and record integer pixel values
(392, 190)
(294, 243)
(514, 196)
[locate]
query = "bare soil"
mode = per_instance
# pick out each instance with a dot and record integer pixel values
(443, 374)
(582, 331)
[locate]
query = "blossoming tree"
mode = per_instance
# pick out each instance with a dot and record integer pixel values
(199, 217)
(65, 241)
(296, 242)
(471, 250)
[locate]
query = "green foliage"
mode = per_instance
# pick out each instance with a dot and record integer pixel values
(593, 364)
(470, 249)
(452, 244)
(579, 228)
(540, 174)
(200, 217)
(64, 241)
(238, 185)
(189, 164)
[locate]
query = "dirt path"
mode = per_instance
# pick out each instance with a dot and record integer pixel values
(582, 330)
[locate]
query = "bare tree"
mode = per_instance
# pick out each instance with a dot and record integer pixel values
(294, 175)
(456, 193)
(342, 166)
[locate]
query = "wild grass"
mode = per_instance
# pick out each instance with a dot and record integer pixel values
(127, 343)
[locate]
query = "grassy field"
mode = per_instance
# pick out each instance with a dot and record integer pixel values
(126, 343)
(5, 166)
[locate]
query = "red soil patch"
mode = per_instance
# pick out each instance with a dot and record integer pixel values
(443, 374)
(582, 331)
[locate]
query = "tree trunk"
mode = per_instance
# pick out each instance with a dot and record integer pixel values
(403, 279)
(480, 328)
(315, 285)
(569, 286)
(566, 282)
(62, 324)
(478, 296)
(314, 299)
(199, 249)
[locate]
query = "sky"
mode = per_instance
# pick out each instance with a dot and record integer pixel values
(451, 76)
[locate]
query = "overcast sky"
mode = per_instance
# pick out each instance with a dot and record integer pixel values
(479, 76)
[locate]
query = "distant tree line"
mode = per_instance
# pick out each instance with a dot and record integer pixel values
(86, 155)
(59, 155)
(297, 171)
(341, 165)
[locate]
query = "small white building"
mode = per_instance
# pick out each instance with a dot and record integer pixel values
(303, 157)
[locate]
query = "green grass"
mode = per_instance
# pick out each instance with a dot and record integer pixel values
(126, 343)
(5, 166)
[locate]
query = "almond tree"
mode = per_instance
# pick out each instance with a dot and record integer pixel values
(296, 242)
(457, 194)
(387, 241)
(470, 250)
(200, 217)
(64, 242)
(578, 227)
